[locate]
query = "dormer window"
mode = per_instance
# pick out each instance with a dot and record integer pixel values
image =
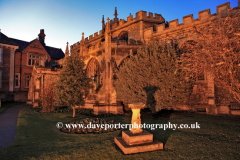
(34, 60)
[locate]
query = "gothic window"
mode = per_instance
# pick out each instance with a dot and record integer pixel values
(154, 28)
(93, 72)
(34, 59)
(123, 36)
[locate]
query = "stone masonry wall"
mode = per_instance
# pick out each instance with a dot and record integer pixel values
(133, 31)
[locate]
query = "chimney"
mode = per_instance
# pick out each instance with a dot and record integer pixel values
(41, 37)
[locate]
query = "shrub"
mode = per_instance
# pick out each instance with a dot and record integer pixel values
(47, 99)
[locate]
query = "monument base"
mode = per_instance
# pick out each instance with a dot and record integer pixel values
(135, 143)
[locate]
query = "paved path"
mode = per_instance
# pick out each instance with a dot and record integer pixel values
(8, 124)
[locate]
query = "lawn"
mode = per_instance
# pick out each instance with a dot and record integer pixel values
(38, 138)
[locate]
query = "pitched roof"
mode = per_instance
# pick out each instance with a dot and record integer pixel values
(22, 44)
(53, 52)
(5, 40)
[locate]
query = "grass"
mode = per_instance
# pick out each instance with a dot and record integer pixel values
(38, 138)
(6, 105)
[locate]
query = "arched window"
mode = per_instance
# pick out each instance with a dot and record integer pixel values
(123, 36)
(93, 72)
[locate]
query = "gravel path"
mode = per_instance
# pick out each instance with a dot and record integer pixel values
(8, 124)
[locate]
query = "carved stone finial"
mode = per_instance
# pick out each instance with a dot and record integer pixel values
(82, 41)
(103, 24)
(103, 21)
(107, 29)
(115, 14)
(67, 51)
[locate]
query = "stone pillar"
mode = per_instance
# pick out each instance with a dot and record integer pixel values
(11, 76)
(36, 91)
(136, 119)
(108, 67)
(210, 84)
(82, 44)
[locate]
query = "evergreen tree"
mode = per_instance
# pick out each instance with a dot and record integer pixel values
(152, 77)
(73, 84)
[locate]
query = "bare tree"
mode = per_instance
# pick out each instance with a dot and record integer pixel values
(216, 51)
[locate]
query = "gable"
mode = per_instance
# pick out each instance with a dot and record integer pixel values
(35, 46)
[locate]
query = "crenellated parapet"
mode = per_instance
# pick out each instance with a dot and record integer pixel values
(95, 39)
(151, 25)
(140, 16)
(205, 16)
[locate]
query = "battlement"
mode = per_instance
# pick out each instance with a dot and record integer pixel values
(223, 10)
(141, 15)
(96, 35)
(204, 16)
